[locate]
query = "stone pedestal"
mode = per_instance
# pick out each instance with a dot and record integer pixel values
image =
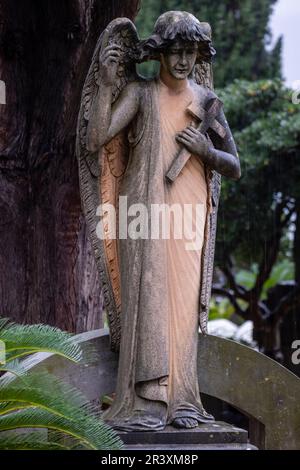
(218, 435)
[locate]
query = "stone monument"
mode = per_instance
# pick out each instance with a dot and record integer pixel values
(144, 144)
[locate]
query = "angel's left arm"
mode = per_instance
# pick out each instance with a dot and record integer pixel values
(224, 157)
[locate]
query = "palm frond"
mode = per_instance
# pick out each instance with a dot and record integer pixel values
(29, 441)
(49, 383)
(31, 400)
(13, 367)
(92, 433)
(35, 338)
(9, 406)
(49, 394)
(63, 439)
(17, 354)
(4, 322)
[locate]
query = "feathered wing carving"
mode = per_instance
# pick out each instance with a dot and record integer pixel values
(203, 75)
(100, 174)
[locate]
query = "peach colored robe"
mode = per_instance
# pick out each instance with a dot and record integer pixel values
(183, 266)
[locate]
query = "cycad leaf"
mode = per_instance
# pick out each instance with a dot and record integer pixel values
(17, 354)
(46, 391)
(34, 338)
(39, 400)
(89, 431)
(29, 441)
(8, 406)
(13, 367)
(3, 323)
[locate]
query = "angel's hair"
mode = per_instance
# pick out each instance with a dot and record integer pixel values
(178, 25)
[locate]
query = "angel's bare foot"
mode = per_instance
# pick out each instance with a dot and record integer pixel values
(186, 423)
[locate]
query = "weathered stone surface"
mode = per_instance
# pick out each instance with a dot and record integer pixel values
(188, 447)
(255, 384)
(212, 436)
(158, 305)
(195, 447)
(94, 377)
(212, 433)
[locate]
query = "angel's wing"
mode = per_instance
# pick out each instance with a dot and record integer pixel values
(100, 174)
(203, 72)
(203, 75)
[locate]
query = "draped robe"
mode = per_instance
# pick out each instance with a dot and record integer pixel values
(160, 278)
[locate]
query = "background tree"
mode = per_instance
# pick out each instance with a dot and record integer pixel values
(258, 234)
(241, 34)
(258, 245)
(47, 269)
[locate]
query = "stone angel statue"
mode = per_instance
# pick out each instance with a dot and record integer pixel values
(148, 143)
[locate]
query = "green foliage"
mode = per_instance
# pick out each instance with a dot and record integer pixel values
(240, 34)
(266, 127)
(255, 110)
(33, 441)
(21, 340)
(40, 400)
(258, 219)
(282, 271)
(220, 309)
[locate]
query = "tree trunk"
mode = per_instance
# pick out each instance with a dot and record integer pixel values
(47, 270)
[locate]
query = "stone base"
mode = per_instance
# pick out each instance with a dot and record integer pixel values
(208, 436)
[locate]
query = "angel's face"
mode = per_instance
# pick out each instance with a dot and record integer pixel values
(179, 59)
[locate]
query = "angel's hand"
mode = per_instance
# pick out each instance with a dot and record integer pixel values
(194, 141)
(109, 60)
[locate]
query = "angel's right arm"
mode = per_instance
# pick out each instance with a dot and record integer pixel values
(107, 119)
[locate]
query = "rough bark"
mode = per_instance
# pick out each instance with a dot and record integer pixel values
(47, 270)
